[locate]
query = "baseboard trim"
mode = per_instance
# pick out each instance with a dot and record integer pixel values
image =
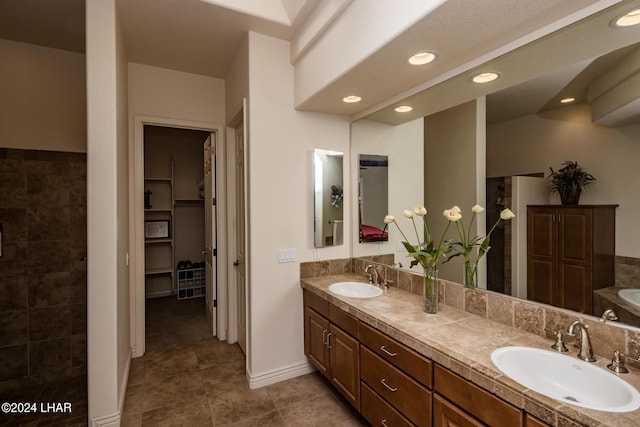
(106, 421)
(278, 375)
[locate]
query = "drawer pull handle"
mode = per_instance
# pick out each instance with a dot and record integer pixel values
(384, 423)
(388, 352)
(329, 340)
(324, 337)
(384, 383)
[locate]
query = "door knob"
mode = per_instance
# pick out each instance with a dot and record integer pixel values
(204, 252)
(236, 263)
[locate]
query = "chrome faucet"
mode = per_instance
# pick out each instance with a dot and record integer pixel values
(585, 353)
(372, 274)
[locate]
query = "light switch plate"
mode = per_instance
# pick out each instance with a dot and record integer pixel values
(286, 255)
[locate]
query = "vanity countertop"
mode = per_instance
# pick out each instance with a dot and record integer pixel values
(463, 343)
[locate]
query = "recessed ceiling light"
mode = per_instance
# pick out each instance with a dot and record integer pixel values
(485, 77)
(628, 19)
(403, 109)
(351, 99)
(421, 58)
(568, 100)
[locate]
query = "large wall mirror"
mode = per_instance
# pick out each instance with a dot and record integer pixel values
(328, 199)
(495, 141)
(373, 197)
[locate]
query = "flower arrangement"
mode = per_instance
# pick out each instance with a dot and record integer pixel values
(427, 253)
(336, 195)
(466, 245)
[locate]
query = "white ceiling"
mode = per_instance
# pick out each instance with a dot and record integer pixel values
(203, 36)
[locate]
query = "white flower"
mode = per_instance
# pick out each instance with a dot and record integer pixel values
(452, 214)
(420, 210)
(477, 209)
(507, 214)
(456, 209)
(407, 213)
(389, 219)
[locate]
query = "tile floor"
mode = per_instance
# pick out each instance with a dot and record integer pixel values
(188, 378)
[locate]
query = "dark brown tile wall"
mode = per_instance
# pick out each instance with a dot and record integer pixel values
(43, 284)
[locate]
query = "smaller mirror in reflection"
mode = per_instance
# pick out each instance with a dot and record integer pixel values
(328, 198)
(373, 197)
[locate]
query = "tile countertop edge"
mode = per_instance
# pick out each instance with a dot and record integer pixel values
(479, 370)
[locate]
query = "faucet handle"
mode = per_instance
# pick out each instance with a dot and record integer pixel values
(617, 365)
(559, 345)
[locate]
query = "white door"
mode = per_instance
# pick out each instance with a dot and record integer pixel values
(241, 285)
(210, 229)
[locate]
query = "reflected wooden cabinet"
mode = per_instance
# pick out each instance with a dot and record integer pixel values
(570, 253)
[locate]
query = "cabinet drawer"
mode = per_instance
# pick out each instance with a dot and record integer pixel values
(446, 414)
(405, 394)
(483, 405)
(414, 364)
(378, 412)
(347, 322)
(314, 301)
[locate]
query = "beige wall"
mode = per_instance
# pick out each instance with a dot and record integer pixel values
(454, 171)
(237, 81)
(404, 146)
(174, 94)
(534, 143)
(107, 307)
(43, 98)
(122, 155)
(280, 147)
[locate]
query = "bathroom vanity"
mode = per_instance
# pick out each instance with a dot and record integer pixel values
(399, 366)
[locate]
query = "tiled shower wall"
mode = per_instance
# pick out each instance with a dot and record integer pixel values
(42, 272)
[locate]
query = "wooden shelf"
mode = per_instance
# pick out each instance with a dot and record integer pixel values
(158, 179)
(151, 241)
(162, 270)
(189, 201)
(168, 210)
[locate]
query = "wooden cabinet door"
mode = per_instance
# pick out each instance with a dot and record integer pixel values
(575, 259)
(378, 412)
(345, 364)
(542, 248)
(446, 414)
(315, 337)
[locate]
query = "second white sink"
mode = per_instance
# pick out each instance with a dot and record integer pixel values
(566, 378)
(631, 296)
(355, 290)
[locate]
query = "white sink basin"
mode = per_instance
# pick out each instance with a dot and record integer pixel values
(567, 379)
(632, 296)
(355, 289)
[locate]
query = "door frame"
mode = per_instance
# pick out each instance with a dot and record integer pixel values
(239, 116)
(136, 221)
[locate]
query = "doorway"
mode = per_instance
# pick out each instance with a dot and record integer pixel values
(171, 215)
(177, 220)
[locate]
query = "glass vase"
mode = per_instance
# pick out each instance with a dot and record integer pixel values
(430, 290)
(470, 275)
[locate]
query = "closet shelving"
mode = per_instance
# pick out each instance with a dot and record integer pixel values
(159, 248)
